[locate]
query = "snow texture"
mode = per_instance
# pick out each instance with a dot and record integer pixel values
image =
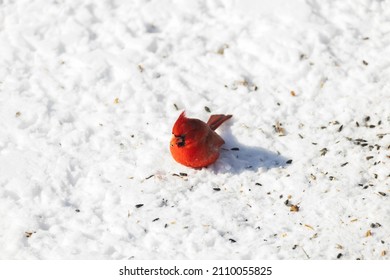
(90, 90)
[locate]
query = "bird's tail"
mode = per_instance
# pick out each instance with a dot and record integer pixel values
(216, 120)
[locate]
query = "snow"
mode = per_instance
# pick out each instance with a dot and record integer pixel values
(90, 90)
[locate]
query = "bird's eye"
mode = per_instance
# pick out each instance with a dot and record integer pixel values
(181, 141)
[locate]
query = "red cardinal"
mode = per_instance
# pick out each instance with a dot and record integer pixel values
(195, 143)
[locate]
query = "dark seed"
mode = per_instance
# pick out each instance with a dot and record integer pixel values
(149, 177)
(363, 145)
(166, 225)
(139, 205)
(314, 143)
(382, 193)
(365, 62)
(366, 38)
(344, 164)
(366, 119)
(339, 255)
(375, 176)
(357, 124)
(365, 187)
(289, 161)
(177, 108)
(371, 126)
(294, 247)
(183, 174)
(287, 203)
(207, 109)
(217, 189)
(360, 140)
(156, 219)
(235, 149)
(258, 184)
(324, 151)
(340, 128)
(77, 210)
(375, 225)
(232, 240)
(369, 157)
(300, 136)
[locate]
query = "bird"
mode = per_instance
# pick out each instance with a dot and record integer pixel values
(195, 143)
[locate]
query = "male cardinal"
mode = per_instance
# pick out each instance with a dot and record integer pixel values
(195, 143)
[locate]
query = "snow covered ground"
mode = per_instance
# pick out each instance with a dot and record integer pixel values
(89, 92)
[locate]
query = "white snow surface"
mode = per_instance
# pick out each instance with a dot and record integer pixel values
(90, 90)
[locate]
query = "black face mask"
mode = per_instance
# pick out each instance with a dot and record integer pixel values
(181, 140)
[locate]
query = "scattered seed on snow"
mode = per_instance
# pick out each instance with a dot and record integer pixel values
(29, 233)
(138, 205)
(323, 151)
(235, 149)
(217, 189)
(375, 225)
(294, 208)
(344, 164)
(289, 161)
(309, 226)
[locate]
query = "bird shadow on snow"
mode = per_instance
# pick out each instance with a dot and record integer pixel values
(236, 157)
